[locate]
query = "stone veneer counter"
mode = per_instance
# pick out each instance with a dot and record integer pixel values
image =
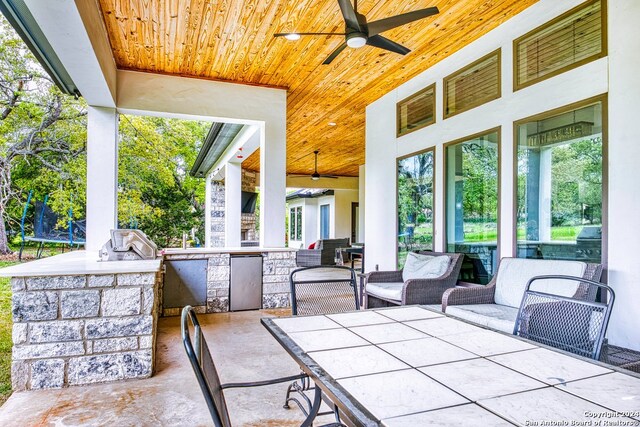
(277, 264)
(79, 321)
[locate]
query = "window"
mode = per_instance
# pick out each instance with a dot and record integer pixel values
(416, 111)
(324, 221)
(295, 223)
(472, 86)
(472, 204)
(415, 204)
(566, 42)
(559, 184)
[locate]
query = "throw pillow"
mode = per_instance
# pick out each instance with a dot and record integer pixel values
(420, 266)
(312, 246)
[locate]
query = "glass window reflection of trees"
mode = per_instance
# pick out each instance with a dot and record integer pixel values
(472, 205)
(559, 176)
(415, 204)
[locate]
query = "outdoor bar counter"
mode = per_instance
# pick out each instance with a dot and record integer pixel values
(207, 278)
(78, 320)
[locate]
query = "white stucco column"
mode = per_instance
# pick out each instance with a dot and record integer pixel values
(361, 201)
(624, 155)
(273, 182)
(207, 211)
(102, 175)
(232, 204)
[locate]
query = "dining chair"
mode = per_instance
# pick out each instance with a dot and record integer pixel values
(572, 324)
(319, 290)
(323, 290)
(212, 389)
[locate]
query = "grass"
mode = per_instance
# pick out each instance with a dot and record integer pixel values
(5, 335)
(6, 324)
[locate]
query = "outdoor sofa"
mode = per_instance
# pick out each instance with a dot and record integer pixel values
(496, 304)
(324, 253)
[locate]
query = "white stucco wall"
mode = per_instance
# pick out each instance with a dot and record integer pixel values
(615, 74)
(310, 218)
(624, 173)
(343, 201)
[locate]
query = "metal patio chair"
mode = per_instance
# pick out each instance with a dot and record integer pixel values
(566, 322)
(323, 290)
(209, 381)
(319, 290)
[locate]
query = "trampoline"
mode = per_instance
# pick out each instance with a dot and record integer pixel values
(46, 228)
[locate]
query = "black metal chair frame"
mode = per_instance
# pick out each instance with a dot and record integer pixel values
(303, 385)
(212, 390)
(526, 315)
(293, 283)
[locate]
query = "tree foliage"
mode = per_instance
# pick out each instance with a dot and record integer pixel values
(156, 192)
(42, 137)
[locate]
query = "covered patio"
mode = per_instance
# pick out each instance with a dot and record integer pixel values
(491, 139)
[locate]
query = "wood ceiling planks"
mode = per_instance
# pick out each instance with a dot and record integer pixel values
(232, 40)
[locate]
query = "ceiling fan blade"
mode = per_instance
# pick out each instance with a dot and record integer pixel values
(308, 34)
(328, 176)
(335, 53)
(385, 43)
(377, 27)
(349, 15)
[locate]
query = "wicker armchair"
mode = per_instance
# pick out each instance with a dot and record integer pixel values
(478, 303)
(415, 291)
(323, 254)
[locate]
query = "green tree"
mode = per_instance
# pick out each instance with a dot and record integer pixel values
(42, 135)
(156, 192)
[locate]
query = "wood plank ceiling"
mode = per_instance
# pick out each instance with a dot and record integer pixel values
(232, 40)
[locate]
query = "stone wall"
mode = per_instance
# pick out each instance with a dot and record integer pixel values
(217, 214)
(72, 330)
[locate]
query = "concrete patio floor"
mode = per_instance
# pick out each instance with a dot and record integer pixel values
(243, 351)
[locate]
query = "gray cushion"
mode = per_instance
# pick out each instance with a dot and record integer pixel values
(391, 291)
(514, 273)
(420, 266)
(494, 316)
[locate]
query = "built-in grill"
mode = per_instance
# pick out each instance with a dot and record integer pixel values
(128, 245)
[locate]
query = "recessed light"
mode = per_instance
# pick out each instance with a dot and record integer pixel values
(292, 36)
(332, 123)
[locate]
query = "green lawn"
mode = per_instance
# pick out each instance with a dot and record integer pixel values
(6, 323)
(5, 335)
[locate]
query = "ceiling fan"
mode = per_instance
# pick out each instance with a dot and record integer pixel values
(315, 175)
(359, 32)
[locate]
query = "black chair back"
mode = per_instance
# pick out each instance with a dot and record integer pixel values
(323, 290)
(567, 323)
(204, 368)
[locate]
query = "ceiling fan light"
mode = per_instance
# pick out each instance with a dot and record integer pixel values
(292, 36)
(356, 40)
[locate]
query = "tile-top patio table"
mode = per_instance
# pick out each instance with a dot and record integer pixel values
(410, 366)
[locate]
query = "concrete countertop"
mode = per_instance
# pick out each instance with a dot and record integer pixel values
(79, 263)
(205, 251)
